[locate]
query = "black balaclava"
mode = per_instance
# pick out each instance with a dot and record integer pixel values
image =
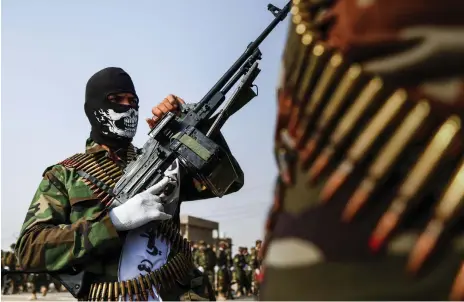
(113, 125)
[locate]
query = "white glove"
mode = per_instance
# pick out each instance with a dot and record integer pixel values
(216, 268)
(141, 209)
(232, 268)
(257, 271)
(201, 269)
(6, 268)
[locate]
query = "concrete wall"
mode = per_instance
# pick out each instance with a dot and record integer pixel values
(196, 229)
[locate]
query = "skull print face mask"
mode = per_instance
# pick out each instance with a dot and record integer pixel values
(113, 124)
(123, 124)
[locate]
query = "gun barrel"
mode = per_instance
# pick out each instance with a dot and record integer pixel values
(244, 57)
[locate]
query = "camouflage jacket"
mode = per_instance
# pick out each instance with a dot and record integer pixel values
(238, 262)
(67, 226)
(200, 259)
(222, 260)
(211, 259)
(9, 260)
(253, 260)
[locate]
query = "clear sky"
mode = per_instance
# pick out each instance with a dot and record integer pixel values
(50, 48)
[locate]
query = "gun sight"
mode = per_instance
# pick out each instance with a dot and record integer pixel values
(273, 9)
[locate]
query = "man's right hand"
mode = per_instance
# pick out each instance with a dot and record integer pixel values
(171, 103)
(142, 208)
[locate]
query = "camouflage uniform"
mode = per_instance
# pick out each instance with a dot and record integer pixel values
(223, 275)
(239, 272)
(247, 270)
(369, 145)
(194, 252)
(68, 227)
(204, 261)
(60, 219)
(211, 262)
(199, 258)
(254, 265)
(257, 267)
(9, 280)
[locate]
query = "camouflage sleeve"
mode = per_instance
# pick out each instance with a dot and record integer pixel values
(48, 240)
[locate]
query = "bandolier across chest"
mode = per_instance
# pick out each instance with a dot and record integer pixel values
(101, 174)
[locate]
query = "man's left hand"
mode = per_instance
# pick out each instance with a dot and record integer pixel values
(171, 103)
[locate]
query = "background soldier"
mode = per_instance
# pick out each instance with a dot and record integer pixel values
(39, 282)
(195, 252)
(211, 261)
(11, 281)
(254, 265)
(200, 256)
(369, 139)
(237, 273)
(239, 269)
(247, 269)
(223, 275)
(258, 244)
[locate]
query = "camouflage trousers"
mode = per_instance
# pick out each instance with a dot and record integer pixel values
(210, 274)
(248, 280)
(38, 281)
(223, 281)
(240, 277)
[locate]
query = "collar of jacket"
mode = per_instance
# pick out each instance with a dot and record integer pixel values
(92, 147)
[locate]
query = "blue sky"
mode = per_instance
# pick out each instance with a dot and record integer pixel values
(51, 48)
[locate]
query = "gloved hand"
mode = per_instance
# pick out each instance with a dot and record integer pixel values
(201, 269)
(216, 268)
(141, 209)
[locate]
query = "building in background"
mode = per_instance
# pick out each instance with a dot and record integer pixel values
(196, 229)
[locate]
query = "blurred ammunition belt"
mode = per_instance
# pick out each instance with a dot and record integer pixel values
(350, 132)
(163, 279)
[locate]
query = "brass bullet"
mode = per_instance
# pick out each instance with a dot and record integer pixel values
(116, 290)
(154, 281)
(98, 293)
(104, 292)
(143, 290)
(129, 290)
(136, 289)
(149, 285)
(110, 291)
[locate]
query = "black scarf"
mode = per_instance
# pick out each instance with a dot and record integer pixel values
(113, 125)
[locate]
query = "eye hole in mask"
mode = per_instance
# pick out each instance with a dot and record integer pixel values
(123, 99)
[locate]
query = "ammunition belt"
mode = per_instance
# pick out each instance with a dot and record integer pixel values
(141, 287)
(99, 172)
(335, 121)
(163, 279)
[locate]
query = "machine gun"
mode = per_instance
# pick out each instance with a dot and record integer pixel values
(183, 137)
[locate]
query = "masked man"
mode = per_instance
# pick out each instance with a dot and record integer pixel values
(369, 140)
(131, 250)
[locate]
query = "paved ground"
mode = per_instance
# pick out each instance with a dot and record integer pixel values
(50, 297)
